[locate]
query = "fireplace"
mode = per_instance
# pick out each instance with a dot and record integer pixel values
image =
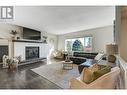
(32, 52)
(3, 51)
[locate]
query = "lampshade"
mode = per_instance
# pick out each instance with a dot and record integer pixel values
(111, 49)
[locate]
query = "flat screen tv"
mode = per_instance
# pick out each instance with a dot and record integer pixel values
(31, 34)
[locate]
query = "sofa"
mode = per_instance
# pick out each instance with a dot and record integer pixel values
(106, 81)
(80, 57)
(85, 55)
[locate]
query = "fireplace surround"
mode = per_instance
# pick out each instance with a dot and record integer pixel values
(32, 52)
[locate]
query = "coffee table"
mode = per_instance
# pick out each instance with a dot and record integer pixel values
(67, 65)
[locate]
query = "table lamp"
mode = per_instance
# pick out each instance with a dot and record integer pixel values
(111, 50)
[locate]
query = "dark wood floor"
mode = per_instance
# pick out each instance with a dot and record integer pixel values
(24, 78)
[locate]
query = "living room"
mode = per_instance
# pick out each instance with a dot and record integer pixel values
(53, 49)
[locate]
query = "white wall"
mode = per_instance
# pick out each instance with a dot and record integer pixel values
(101, 37)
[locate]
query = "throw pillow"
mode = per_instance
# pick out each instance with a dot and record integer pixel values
(99, 56)
(101, 72)
(86, 75)
(94, 67)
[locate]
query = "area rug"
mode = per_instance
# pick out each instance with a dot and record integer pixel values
(56, 74)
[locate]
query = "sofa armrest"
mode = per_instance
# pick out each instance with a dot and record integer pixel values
(77, 84)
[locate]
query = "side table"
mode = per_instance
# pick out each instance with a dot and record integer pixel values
(67, 65)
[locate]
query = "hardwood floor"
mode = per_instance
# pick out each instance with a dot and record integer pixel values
(24, 78)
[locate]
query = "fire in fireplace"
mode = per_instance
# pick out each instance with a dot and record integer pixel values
(32, 53)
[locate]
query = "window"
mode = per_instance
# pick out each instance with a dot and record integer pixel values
(88, 44)
(79, 44)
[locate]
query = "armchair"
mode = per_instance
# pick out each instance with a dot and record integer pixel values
(107, 81)
(58, 54)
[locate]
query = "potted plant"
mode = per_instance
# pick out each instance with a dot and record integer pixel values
(12, 65)
(14, 32)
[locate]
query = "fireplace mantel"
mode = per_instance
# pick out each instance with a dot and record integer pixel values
(28, 41)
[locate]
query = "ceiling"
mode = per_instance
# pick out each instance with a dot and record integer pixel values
(63, 19)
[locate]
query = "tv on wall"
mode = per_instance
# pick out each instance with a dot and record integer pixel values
(31, 34)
